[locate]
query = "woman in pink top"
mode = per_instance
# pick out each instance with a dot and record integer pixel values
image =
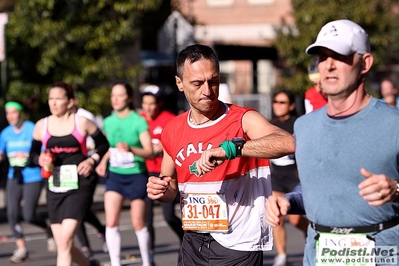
(70, 187)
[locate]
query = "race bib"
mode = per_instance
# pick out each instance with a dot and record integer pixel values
(63, 179)
(121, 159)
(345, 250)
(204, 212)
(18, 159)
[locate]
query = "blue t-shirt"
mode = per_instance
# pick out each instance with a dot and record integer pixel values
(330, 153)
(16, 146)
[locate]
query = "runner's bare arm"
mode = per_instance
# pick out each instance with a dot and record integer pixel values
(267, 140)
(164, 189)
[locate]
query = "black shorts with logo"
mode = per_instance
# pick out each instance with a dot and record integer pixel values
(199, 249)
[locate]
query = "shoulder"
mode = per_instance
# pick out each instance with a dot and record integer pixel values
(140, 123)
(383, 109)
(38, 130)
(6, 129)
(236, 108)
(310, 91)
(136, 116)
(310, 117)
(292, 118)
(40, 122)
(239, 112)
(29, 125)
(176, 121)
(109, 118)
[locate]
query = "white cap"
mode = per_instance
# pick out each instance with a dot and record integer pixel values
(153, 90)
(343, 37)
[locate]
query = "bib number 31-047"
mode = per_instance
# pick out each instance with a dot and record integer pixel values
(204, 212)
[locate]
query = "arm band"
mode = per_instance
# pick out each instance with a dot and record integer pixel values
(34, 153)
(229, 148)
(101, 142)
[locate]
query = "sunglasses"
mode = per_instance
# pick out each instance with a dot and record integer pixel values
(280, 102)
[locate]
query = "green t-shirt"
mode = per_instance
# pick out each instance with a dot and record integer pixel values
(128, 130)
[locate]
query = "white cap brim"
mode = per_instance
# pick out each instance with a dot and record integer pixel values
(336, 46)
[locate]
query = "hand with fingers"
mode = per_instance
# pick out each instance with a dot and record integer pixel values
(157, 186)
(275, 208)
(209, 160)
(377, 189)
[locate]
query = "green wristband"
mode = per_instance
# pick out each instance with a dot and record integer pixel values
(229, 148)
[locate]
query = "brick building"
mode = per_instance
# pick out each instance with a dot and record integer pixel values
(241, 32)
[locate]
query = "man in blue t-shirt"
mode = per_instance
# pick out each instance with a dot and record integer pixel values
(349, 171)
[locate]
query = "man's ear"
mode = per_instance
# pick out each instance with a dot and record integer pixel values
(179, 83)
(368, 60)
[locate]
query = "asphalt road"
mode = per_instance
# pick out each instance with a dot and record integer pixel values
(167, 243)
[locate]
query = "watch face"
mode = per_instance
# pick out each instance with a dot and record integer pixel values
(238, 140)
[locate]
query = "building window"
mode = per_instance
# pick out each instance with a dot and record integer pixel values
(220, 2)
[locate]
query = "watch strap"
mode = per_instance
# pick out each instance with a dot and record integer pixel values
(239, 145)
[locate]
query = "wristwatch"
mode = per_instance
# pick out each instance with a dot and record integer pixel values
(239, 143)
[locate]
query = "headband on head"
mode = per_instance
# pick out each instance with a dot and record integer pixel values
(15, 105)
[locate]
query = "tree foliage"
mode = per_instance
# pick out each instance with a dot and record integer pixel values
(377, 17)
(87, 43)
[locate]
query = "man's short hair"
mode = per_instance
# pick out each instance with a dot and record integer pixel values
(193, 53)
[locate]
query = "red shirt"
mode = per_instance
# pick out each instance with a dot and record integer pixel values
(156, 126)
(313, 100)
(185, 143)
